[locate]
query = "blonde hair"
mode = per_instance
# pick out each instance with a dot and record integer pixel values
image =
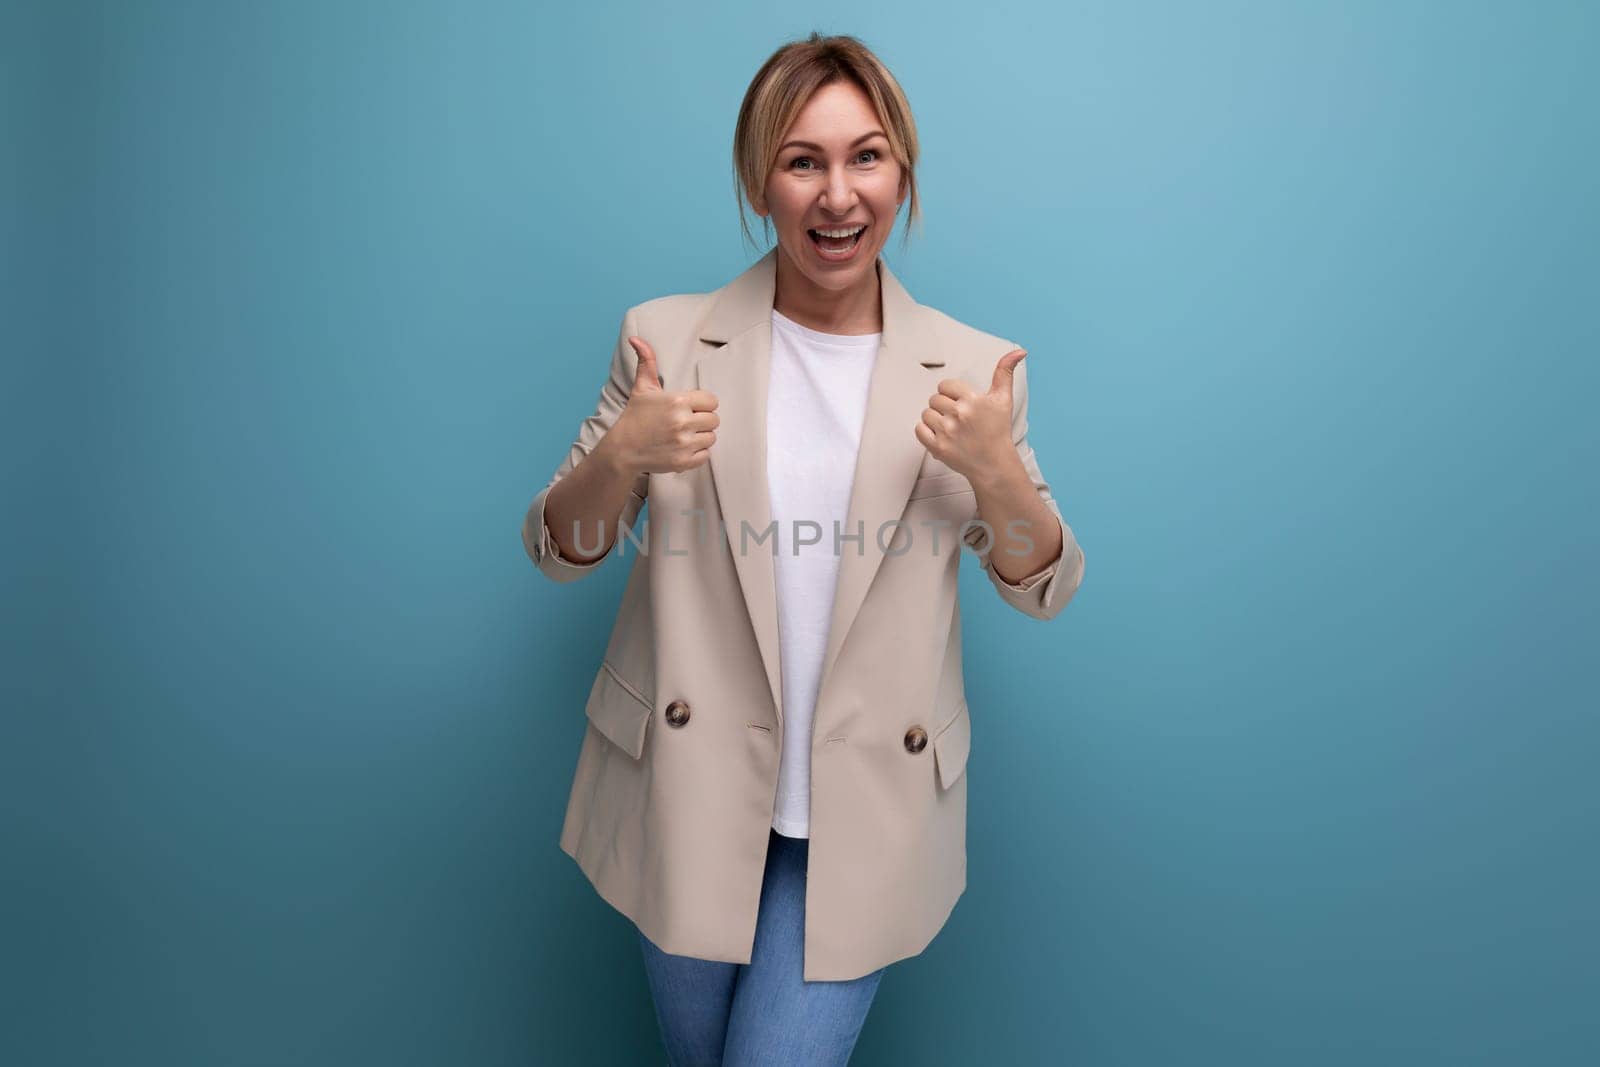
(781, 88)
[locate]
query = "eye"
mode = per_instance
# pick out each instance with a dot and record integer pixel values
(872, 152)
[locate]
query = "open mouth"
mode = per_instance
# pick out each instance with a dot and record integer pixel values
(836, 246)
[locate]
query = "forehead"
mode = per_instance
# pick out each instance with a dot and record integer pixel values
(839, 112)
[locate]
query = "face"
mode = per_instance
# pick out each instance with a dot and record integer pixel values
(834, 172)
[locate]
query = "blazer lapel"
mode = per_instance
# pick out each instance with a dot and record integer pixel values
(740, 322)
(903, 376)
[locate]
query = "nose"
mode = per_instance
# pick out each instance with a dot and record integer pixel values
(838, 198)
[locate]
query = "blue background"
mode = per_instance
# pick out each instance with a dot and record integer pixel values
(311, 299)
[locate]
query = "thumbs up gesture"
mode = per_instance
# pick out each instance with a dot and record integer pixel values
(969, 431)
(662, 431)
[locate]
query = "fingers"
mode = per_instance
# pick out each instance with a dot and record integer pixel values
(701, 399)
(703, 420)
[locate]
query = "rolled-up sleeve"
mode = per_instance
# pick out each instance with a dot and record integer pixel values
(536, 539)
(1042, 594)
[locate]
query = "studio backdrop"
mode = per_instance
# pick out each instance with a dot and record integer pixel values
(306, 301)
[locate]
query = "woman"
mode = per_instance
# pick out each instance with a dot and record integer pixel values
(770, 784)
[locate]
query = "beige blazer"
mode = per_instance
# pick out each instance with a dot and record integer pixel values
(677, 775)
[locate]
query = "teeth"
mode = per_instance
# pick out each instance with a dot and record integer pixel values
(839, 233)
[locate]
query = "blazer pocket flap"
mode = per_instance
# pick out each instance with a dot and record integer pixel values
(619, 710)
(939, 485)
(951, 745)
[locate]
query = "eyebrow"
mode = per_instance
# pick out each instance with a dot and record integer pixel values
(818, 148)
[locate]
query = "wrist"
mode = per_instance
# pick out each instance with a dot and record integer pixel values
(1005, 472)
(612, 457)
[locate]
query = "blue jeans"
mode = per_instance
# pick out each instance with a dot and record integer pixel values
(760, 1012)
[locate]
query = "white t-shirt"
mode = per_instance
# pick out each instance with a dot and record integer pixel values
(816, 402)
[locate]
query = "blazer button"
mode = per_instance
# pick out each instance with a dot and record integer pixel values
(677, 713)
(916, 739)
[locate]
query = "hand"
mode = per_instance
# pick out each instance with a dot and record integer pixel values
(969, 431)
(660, 431)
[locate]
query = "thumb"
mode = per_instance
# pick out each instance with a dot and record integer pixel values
(1005, 371)
(648, 377)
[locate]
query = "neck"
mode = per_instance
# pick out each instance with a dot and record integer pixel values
(857, 310)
